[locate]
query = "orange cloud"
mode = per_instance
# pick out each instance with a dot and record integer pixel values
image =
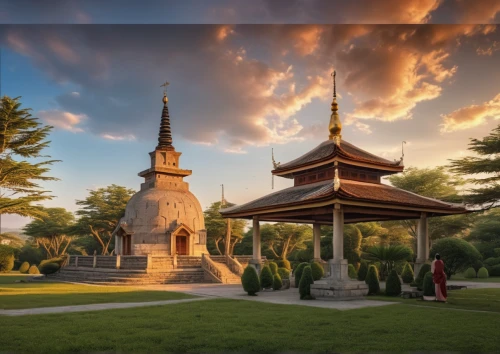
(478, 11)
(63, 120)
(471, 116)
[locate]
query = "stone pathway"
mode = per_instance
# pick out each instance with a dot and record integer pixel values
(92, 307)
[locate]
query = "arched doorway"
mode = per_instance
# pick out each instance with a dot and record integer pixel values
(181, 241)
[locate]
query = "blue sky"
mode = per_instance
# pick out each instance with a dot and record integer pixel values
(237, 91)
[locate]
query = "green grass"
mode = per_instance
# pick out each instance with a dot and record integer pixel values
(469, 299)
(224, 325)
(46, 294)
(477, 280)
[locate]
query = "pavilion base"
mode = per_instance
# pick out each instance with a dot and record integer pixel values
(338, 286)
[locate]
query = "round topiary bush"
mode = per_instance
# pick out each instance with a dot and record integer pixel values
(470, 273)
(429, 286)
(250, 281)
(407, 274)
(317, 271)
(49, 268)
(363, 270)
(419, 280)
(298, 272)
(277, 283)
(492, 261)
(274, 268)
(393, 284)
(33, 270)
(305, 284)
(6, 259)
(284, 273)
(284, 263)
(24, 268)
(351, 272)
(482, 273)
(266, 277)
(372, 280)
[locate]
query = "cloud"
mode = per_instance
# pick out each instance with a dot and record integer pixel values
(118, 137)
(471, 116)
(64, 120)
(493, 47)
(478, 11)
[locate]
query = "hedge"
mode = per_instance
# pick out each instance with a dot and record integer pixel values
(317, 271)
(298, 272)
(363, 270)
(419, 280)
(250, 281)
(266, 277)
(277, 283)
(284, 263)
(24, 268)
(274, 268)
(495, 271)
(470, 273)
(482, 273)
(407, 274)
(429, 286)
(351, 271)
(6, 259)
(393, 284)
(372, 280)
(49, 268)
(33, 270)
(305, 284)
(284, 273)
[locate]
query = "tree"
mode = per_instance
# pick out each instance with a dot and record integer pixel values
(100, 213)
(439, 184)
(388, 256)
(22, 136)
(485, 233)
(352, 243)
(487, 164)
(216, 227)
(51, 231)
(281, 239)
(457, 254)
(11, 239)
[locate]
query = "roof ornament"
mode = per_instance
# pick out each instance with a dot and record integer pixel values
(336, 180)
(165, 135)
(223, 200)
(275, 165)
(165, 98)
(335, 126)
(402, 153)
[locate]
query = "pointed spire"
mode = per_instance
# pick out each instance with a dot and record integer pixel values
(165, 135)
(335, 126)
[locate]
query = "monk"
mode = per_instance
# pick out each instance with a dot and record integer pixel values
(439, 278)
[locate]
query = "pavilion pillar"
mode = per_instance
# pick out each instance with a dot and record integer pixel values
(256, 258)
(338, 265)
(316, 242)
(422, 242)
(118, 243)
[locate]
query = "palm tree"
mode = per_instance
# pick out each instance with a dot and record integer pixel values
(388, 256)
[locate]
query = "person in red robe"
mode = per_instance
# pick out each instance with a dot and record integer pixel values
(439, 278)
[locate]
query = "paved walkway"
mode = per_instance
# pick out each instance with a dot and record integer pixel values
(92, 307)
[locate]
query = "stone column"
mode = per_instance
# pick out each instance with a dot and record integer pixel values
(422, 243)
(316, 242)
(256, 258)
(338, 265)
(117, 244)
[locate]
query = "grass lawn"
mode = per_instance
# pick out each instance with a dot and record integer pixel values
(477, 280)
(248, 326)
(46, 294)
(469, 299)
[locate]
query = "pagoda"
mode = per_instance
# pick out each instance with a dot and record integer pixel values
(334, 184)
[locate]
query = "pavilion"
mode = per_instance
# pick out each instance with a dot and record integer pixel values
(334, 184)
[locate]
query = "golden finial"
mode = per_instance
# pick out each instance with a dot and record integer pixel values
(336, 180)
(335, 126)
(165, 98)
(275, 164)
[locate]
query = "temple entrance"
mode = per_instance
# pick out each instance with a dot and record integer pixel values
(181, 245)
(127, 245)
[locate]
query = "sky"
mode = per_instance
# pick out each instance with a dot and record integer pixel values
(239, 87)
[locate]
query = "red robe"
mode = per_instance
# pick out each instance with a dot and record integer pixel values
(439, 277)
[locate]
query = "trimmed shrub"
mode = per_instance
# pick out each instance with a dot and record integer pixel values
(277, 283)
(407, 274)
(372, 280)
(393, 284)
(49, 268)
(363, 270)
(419, 280)
(298, 272)
(274, 268)
(284, 263)
(33, 270)
(317, 271)
(492, 261)
(250, 281)
(24, 268)
(495, 271)
(58, 260)
(284, 273)
(6, 259)
(429, 286)
(305, 284)
(482, 273)
(266, 277)
(470, 273)
(351, 271)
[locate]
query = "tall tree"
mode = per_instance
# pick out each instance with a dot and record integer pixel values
(434, 183)
(352, 243)
(485, 168)
(51, 231)
(22, 136)
(216, 227)
(281, 239)
(100, 213)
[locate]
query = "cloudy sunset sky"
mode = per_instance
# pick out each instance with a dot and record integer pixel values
(404, 72)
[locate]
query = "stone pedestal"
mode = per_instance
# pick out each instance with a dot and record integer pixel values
(256, 264)
(338, 286)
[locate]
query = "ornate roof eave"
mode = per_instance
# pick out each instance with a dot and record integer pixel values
(165, 171)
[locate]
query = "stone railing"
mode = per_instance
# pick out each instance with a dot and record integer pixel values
(234, 265)
(212, 273)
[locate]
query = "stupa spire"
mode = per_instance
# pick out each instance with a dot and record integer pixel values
(165, 135)
(335, 126)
